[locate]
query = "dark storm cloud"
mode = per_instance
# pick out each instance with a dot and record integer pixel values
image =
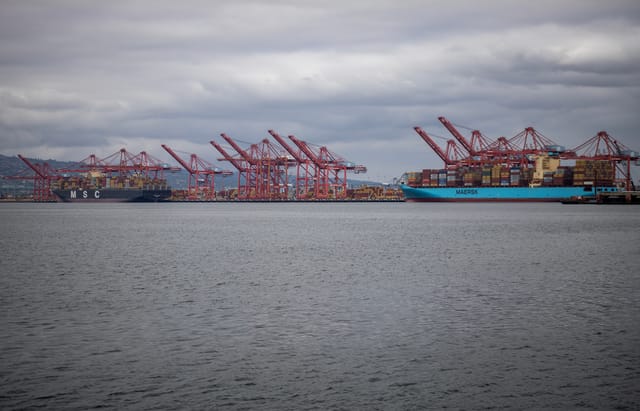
(77, 77)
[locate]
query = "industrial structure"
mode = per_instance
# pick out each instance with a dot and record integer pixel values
(330, 170)
(305, 180)
(265, 172)
(122, 176)
(41, 180)
(201, 184)
(263, 169)
(525, 167)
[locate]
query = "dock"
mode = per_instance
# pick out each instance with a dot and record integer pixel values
(622, 197)
(613, 197)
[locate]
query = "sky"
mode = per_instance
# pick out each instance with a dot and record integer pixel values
(91, 77)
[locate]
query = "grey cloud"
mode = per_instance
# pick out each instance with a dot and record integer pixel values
(354, 74)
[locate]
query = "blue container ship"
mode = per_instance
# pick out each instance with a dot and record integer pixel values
(500, 194)
(526, 167)
(546, 179)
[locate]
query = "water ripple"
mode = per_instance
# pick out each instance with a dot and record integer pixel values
(319, 306)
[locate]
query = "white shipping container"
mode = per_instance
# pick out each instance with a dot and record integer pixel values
(567, 162)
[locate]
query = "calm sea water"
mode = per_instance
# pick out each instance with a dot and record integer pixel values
(319, 306)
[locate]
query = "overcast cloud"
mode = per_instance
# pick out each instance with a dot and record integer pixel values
(81, 77)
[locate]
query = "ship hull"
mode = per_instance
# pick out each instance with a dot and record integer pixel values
(495, 194)
(112, 195)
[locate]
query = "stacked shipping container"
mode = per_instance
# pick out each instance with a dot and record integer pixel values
(589, 172)
(92, 181)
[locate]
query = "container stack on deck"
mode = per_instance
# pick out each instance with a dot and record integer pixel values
(98, 181)
(600, 172)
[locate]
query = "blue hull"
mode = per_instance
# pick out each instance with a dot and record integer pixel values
(471, 194)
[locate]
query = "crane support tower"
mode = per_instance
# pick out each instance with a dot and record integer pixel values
(263, 170)
(241, 165)
(605, 148)
(327, 177)
(330, 170)
(201, 182)
(305, 169)
(250, 170)
(41, 180)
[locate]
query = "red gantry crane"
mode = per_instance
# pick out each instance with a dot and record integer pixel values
(201, 183)
(519, 150)
(530, 158)
(305, 170)
(123, 163)
(151, 166)
(273, 170)
(250, 170)
(529, 141)
(451, 157)
(267, 170)
(501, 151)
(465, 144)
(516, 151)
(330, 170)
(264, 167)
(241, 165)
(122, 168)
(604, 148)
(41, 180)
(478, 148)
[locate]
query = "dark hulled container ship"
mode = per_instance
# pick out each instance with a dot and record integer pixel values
(97, 187)
(112, 195)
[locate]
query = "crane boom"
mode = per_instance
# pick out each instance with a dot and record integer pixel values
(434, 146)
(240, 151)
(235, 162)
(305, 149)
(454, 154)
(480, 141)
(178, 159)
(31, 166)
(449, 126)
(296, 155)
